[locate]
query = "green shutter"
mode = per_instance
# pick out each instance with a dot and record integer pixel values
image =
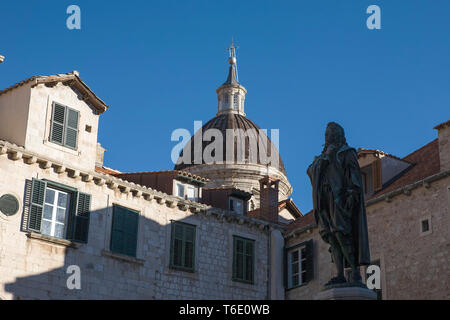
(57, 125)
(182, 246)
(71, 130)
(81, 217)
(37, 205)
(309, 264)
(243, 259)
(124, 231)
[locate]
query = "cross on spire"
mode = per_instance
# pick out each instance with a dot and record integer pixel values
(232, 49)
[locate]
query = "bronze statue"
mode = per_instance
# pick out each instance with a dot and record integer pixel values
(339, 209)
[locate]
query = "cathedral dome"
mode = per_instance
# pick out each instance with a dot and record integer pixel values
(230, 149)
(225, 121)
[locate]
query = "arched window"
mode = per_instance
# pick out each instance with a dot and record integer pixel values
(236, 101)
(225, 101)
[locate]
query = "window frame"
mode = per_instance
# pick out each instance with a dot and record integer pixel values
(55, 206)
(231, 199)
(172, 264)
(234, 263)
(65, 125)
(301, 270)
(72, 223)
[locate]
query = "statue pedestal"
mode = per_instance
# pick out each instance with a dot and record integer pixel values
(346, 293)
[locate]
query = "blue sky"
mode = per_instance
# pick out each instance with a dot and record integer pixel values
(304, 63)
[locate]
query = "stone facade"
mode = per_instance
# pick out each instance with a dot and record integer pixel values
(414, 263)
(34, 266)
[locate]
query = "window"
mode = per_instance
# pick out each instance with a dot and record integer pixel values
(124, 231)
(56, 207)
(186, 191)
(425, 226)
(58, 211)
(243, 259)
(297, 267)
(299, 264)
(190, 193)
(180, 190)
(64, 126)
(225, 101)
(236, 101)
(182, 246)
(237, 205)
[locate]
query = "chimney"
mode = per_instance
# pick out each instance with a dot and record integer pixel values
(268, 199)
(444, 144)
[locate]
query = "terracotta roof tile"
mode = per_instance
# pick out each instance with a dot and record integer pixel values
(425, 163)
(442, 125)
(301, 222)
(71, 78)
(106, 170)
(180, 172)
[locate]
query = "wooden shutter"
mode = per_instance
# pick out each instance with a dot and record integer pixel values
(182, 246)
(131, 230)
(37, 205)
(309, 265)
(57, 125)
(376, 174)
(81, 217)
(235, 273)
(124, 231)
(71, 130)
(189, 246)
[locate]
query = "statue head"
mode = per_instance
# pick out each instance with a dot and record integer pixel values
(334, 135)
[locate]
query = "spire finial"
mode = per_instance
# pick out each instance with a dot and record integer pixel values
(232, 52)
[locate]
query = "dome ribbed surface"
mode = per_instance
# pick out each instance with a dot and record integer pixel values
(232, 121)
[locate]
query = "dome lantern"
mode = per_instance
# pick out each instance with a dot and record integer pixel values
(231, 95)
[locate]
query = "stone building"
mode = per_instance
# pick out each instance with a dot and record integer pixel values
(204, 230)
(132, 235)
(408, 219)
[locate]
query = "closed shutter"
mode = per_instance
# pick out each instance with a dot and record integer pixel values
(131, 224)
(189, 247)
(309, 263)
(376, 174)
(58, 121)
(37, 205)
(81, 218)
(124, 231)
(182, 247)
(71, 128)
(243, 259)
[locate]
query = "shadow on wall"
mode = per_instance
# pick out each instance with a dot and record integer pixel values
(105, 273)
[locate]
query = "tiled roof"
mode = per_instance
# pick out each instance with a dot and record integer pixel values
(71, 78)
(288, 204)
(179, 172)
(303, 221)
(425, 163)
(362, 152)
(442, 125)
(106, 170)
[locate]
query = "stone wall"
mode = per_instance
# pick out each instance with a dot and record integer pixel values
(36, 269)
(414, 265)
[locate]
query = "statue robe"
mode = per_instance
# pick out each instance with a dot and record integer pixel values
(334, 179)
